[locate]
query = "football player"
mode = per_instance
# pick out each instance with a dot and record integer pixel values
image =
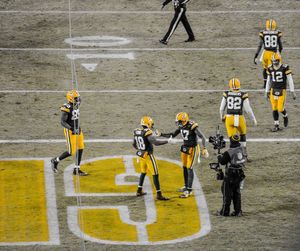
(278, 76)
(190, 150)
(144, 139)
(235, 102)
(73, 133)
(270, 39)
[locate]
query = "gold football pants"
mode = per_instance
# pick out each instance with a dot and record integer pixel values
(189, 160)
(277, 102)
(74, 142)
(148, 164)
(266, 58)
(233, 128)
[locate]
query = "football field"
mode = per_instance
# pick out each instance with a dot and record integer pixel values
(124, 73)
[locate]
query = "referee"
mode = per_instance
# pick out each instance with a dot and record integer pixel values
(180, 9)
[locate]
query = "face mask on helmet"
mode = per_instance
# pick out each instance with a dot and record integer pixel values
(179, 123)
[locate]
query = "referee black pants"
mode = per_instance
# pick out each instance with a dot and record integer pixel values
(179, 16)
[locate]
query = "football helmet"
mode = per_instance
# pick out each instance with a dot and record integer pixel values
(276, 59)
(234, 84)
(271, 25)
(181, 119)
(147, 122)
(73, 97)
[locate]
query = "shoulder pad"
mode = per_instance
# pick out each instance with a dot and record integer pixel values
(261, 34)
(225, 94)
(194, 125)
(65, 107)
(245, 95)
(148, 132)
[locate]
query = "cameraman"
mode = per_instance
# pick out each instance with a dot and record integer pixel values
(234, 160)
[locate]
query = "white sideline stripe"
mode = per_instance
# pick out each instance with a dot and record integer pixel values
(142, 49)
(54, 141)
(143, 12)
(131, 91)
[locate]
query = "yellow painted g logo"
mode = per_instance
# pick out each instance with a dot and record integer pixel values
(122, 218)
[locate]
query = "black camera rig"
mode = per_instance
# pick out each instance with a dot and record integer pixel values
(219, 143)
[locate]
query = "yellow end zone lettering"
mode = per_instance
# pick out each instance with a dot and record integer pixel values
(27, 203)
(113, 224)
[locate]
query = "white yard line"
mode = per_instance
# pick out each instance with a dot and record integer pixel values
(140, 49)
(132, 91)
(209, 12)
(55, 141)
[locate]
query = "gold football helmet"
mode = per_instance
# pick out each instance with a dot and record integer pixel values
(181, 119)
(147, 122)
(271, 25)
(234, 84)
(276, 59)
(73, 96)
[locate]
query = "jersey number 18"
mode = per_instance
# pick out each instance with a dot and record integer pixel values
(140, 142)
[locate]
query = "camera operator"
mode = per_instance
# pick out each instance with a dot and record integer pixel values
(234, 160)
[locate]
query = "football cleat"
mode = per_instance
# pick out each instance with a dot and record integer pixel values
(237, 214)
(159, 196)
(140, 193)
(234, 84)
(186, 194)
(77, 171)
(163, 42)
(285, 121)
(190, 39)
(54, 164)
(275, 128)
(182, 189)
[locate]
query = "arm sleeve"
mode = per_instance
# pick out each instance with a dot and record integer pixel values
(222, 107)
(280, 44)
(224, 158)
(268, 85)
(166, 2)
(63, 120)
(153, 140)
(291, 82)
(168, 135)
(259, 47)
(248, 109)
(134, 144)
(201, 135)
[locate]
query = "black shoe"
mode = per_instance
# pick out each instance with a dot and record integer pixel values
(275, 128)
(54, 164)
(237, 214)
(190, 39)
(140, 193)
(221, 213)
(285, 121)
(159, 196)
(77, 171)
(163, 42)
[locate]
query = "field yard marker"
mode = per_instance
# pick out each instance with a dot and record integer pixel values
(177, 49)
(212, 12)
(90, 67)
(131, 91)
(55, 141)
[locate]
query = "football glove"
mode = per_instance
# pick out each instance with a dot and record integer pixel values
(294, 95)
(267, 95)
(255, 122)
(255, 59)
(76, 131)
(171, 140)
(162, 7)
(205, 153)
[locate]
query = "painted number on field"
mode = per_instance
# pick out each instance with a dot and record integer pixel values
(28, 214)
(134, 220)
(94, 42)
